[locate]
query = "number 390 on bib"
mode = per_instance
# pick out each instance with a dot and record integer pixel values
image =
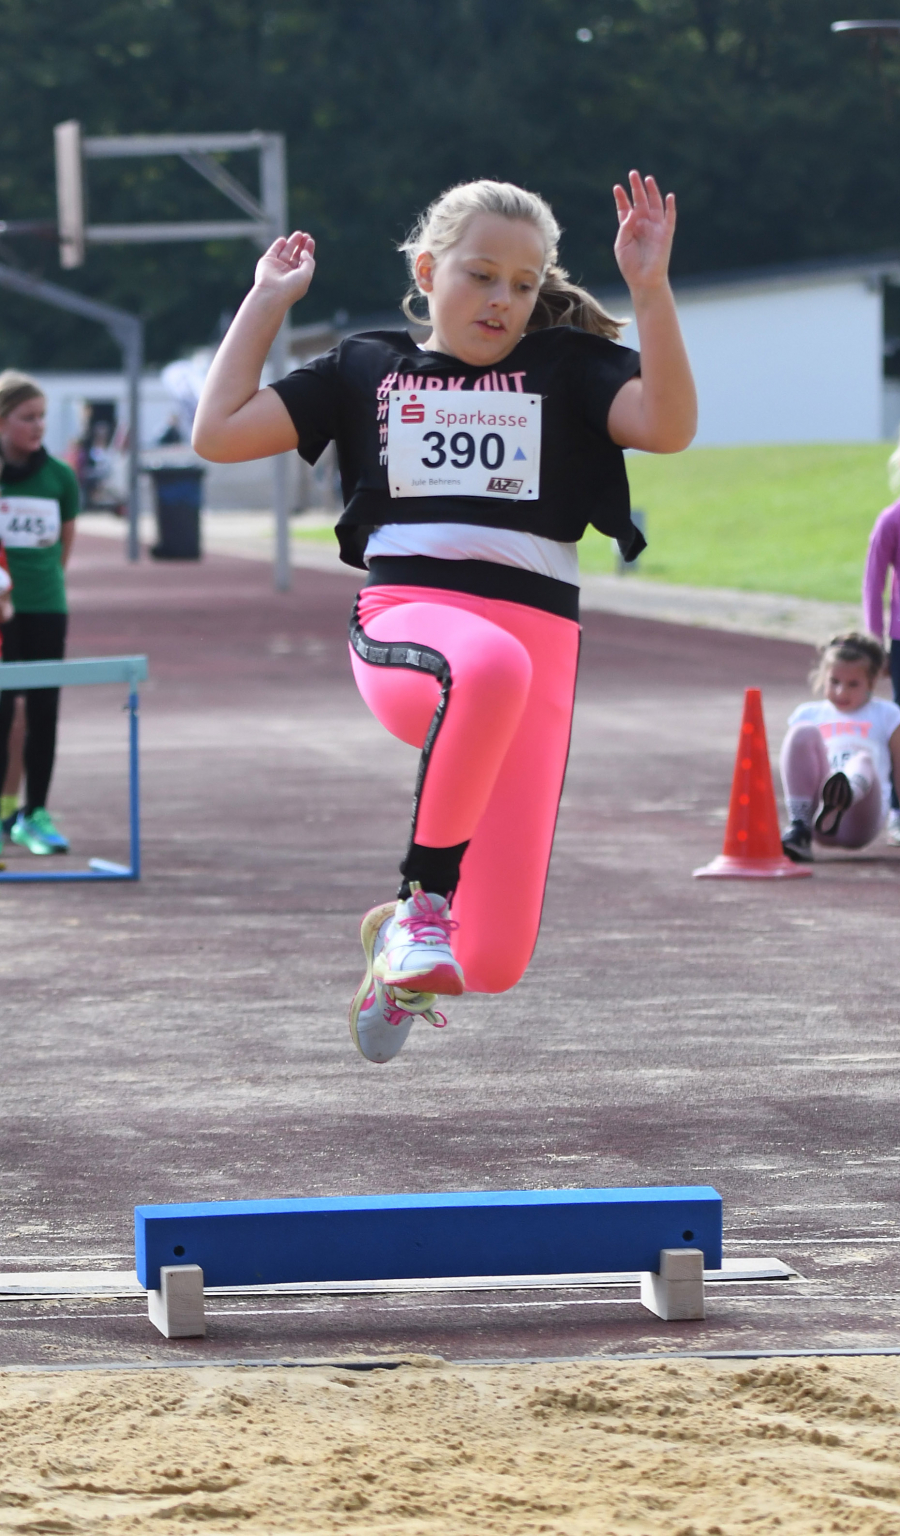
(464, 443)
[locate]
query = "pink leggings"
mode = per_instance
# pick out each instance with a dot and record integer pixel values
(485, 687)
(804, 769)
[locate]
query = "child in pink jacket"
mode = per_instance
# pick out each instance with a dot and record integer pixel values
(884, 552)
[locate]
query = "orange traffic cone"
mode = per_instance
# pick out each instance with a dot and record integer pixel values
(752, 847)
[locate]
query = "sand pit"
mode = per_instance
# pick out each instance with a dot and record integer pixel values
(690, 1447)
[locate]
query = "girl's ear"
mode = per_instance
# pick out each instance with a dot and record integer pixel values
(425, 272)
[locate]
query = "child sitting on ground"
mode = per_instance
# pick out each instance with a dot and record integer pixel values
(838, 754)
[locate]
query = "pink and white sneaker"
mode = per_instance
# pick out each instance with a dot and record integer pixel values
(381, 1022)
(381, 1017)
(415, 950)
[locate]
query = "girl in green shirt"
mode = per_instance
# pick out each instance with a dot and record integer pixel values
(38, 507)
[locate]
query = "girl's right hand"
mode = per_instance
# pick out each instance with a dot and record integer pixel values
(286, 270)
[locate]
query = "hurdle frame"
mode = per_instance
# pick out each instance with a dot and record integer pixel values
(20, 677)
(665, 1233)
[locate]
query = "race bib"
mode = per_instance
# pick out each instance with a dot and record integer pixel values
(464, 443)
(29, 522)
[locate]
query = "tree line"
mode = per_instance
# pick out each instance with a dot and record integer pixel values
(780, 139)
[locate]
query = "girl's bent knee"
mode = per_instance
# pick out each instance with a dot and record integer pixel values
(799, 734)
(494, 973)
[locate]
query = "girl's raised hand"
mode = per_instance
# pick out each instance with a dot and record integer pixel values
(646, 228)
(287, 268)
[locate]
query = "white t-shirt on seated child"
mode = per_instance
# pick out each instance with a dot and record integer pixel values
(846, 732)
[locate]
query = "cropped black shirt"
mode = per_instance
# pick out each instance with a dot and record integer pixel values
(343, 395)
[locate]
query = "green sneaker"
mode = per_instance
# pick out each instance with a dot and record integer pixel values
(51, 834)
(38, 834)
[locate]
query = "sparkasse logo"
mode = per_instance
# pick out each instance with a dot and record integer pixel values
(413, 412)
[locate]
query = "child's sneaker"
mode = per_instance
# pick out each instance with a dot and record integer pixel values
(381, 1018)
(837, 797)
(892, 834)
(796, 841)
(38, 833)
(49, 831)
(25, 833)
(416, 951)
(381, 1021)
(371, 935)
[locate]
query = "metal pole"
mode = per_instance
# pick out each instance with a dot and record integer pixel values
(282, 564)
(111, 147)
(131, 340)
(134, 786)
(273, 189)
(129, 333)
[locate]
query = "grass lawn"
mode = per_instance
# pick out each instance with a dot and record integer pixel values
(317, 535)
(792, 519)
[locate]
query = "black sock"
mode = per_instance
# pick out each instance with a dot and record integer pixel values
(435, 869)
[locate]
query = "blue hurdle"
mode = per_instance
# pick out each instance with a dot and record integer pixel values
(132, 670)
(669, 1235)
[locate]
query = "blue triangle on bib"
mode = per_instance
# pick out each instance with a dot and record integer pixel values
(518, 454)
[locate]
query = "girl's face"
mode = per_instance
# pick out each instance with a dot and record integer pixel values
(848, 685)
(482, 291)
(22, 431)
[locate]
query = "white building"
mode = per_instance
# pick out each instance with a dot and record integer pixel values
(69, 394)
(792, 354)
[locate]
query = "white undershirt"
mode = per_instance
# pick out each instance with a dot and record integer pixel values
(460, 541)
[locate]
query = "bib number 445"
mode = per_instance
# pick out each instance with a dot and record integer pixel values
(29, 522)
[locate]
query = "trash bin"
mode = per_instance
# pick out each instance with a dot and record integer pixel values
(178, 494)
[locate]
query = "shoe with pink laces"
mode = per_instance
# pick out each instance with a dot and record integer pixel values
(381, 1017)
(415, 950)
(381, 1021)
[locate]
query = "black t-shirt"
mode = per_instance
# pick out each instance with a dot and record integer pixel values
(344, 395)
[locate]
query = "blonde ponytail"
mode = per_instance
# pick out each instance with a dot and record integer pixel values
(562, 302)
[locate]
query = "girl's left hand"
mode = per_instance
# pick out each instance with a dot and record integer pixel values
(646, 228)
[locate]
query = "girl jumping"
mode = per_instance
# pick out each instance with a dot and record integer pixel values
(839, 753)
(471, 465)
